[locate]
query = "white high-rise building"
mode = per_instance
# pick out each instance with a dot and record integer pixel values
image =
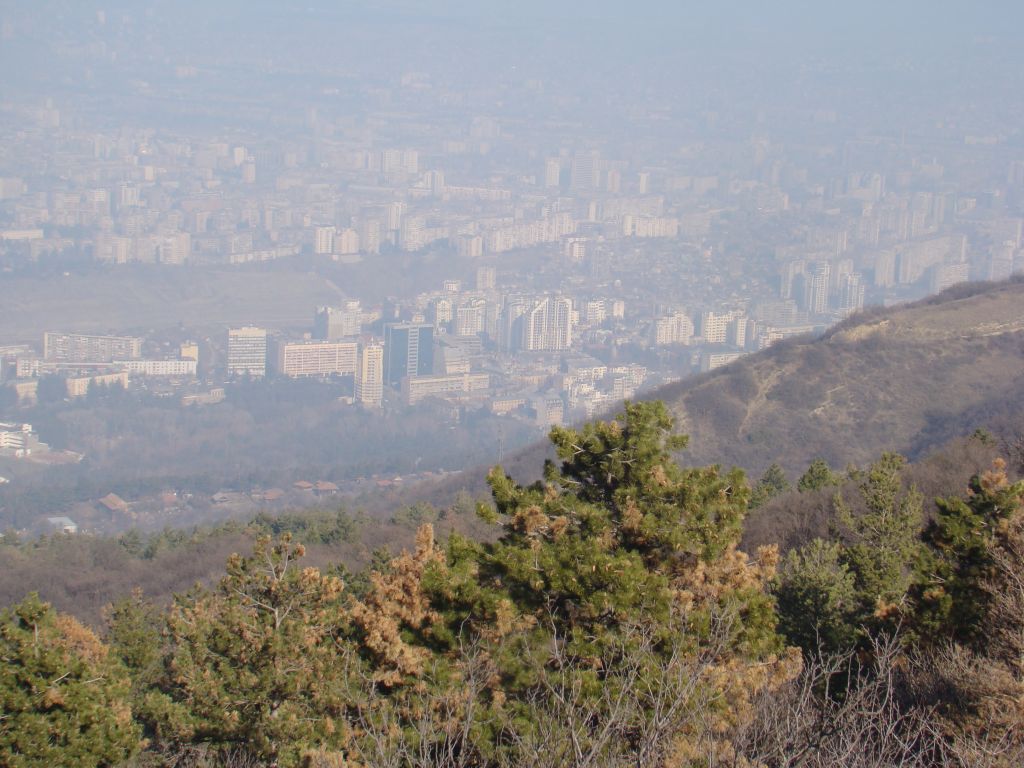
(369, 236)
(337, 322)
(714, 327)
(552, 172)
(347, 242)
(247, 351)
(369, 385)
(851, 294)
(585, 171)
(176, 248)
(547, 326)
(315, 358)
(677, 328)
(84, 348)
(817, 288)
(469, 318)
(323, 240)
(486, 278)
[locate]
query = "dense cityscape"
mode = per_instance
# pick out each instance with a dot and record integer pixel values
(483, 250)
(487, 384)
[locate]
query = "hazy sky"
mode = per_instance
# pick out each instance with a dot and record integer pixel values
(941, 49)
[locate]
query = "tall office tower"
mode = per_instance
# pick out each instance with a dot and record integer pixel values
(586, 171)
(369, 388)
(391, 160)
(547, 325)
(486, 278)
(435, 181)
(399, 161)
(408, 351)
(552, 173)
(492, 313)
(323, 240)
(838, 275)
(247, 351)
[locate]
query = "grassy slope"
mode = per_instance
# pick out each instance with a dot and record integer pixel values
(907, 379)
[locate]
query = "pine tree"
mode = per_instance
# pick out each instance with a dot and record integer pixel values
(818, 475)
(260, 663)
(883, 540)
(772, 483)
(817, 599)
(951, 590)
(63, 698)
(617, 562)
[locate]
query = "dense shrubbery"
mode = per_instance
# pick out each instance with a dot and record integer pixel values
(610, 621)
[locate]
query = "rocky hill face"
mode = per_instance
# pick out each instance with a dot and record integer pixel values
(906, 379)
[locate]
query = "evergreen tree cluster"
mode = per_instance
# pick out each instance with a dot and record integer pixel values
(612, 620)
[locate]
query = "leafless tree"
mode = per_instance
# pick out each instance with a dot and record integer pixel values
(839, 712)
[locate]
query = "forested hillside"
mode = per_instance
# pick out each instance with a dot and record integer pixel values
(610, 618)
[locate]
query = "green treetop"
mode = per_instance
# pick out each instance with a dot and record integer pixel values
(818, 475)
(63, 699)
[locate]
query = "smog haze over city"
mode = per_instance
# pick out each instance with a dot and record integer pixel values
(258, 256)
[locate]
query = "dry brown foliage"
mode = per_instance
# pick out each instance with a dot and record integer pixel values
(396, 600)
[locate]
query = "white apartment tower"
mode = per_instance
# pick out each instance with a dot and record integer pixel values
(247, 351)
(547, 326)
(817, 288)
(323, 240)
(369, 385)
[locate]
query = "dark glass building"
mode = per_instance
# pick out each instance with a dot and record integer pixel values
(408, 351)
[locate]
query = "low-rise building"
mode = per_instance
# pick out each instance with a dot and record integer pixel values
(316, 358)
(159, 367)
(78, 386)
(416, 388)
(85, 348)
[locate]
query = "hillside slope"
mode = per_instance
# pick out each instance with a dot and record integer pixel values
(906, 379)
